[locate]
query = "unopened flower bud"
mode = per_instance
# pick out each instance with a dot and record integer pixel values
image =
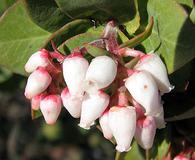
(74, 71)
(71, 103)
(154, 65)
(122, 122)
(92, 108)
(37, 82)
(101, 73)
(35, 101)
(104, 124)
(38, 59)
(50, 107)
(145, 132)
(144, 90)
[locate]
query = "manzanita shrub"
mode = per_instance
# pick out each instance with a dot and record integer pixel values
(111, 64)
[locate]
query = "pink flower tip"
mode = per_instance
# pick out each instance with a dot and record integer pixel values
(37, 82)
(50, 107)
(38, 59)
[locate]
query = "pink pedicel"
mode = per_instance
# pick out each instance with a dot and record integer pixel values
(122, 122)
(75, 54)
(125, 52)
(92, 108)
(38, 59)
(71, 103)
(35, 101)
(37, 82)
(58, 56)
(110, 37)
(145, 132)
(109, 30)
(50, 107)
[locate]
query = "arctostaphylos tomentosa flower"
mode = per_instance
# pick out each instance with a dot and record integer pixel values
(126, 99)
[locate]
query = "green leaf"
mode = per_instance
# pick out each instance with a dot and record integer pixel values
(19, 37)
(53, 14)
(140, 37)
(101, 10)
(134, 153)
(163, 149)
(132, 25)
(35, 114)
(190, 113)
(179, 106)
(95, 51)
(132, 63)
(5, 4)
(46, 14)
(172, 37)
(188, 3)
(77, 41)
(119, 155)
(179, 80)
(4, 75)
(67, 31)
(192, 15)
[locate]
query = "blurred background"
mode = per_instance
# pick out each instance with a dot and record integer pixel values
(24, 139)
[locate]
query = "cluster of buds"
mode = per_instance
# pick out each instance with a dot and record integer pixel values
(44, 84)
(127, 101)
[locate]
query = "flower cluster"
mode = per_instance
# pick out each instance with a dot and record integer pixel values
(127, 101)
(44, 84)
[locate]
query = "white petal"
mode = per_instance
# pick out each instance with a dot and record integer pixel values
(144, 90)
(104, 124)
(74, 71)
(71, 103)
(122, 122)
(101, 72)
(50, 107)
(92, 108)
(38, 59)
(37, 82)
(159, 118)
(35, 101)
(154, 65)
(145, 132)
